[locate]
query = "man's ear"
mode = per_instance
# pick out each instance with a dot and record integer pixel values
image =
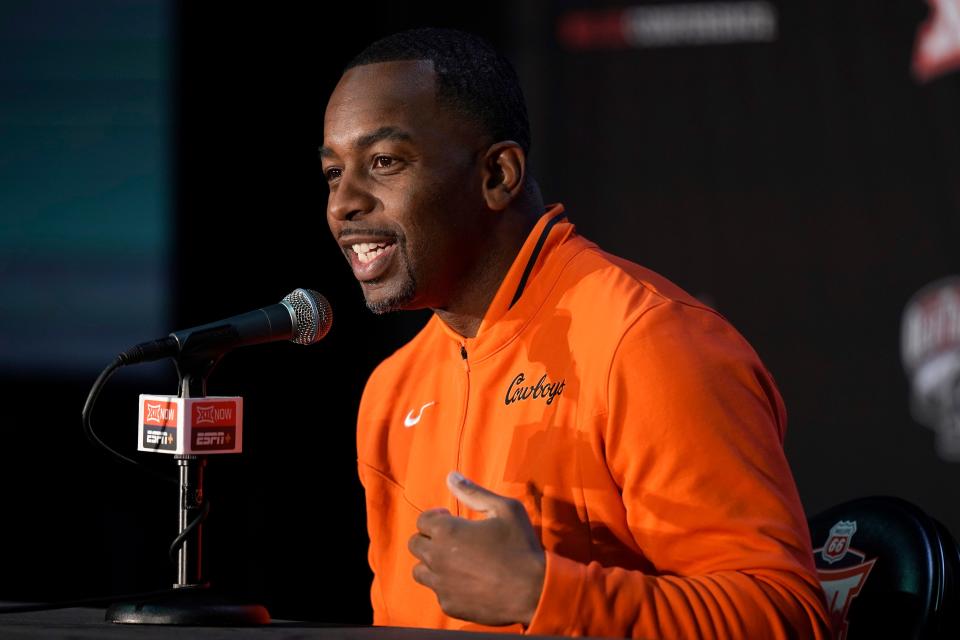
(504, 168)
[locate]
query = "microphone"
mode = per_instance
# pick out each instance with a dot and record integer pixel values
(303, 317)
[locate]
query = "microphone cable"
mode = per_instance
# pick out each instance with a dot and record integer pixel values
(98, 385)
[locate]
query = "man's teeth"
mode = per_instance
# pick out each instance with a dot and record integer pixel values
(367, 251)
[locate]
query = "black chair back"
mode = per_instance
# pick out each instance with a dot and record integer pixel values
(888, 570)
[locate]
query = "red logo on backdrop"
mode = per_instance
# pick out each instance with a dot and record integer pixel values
(598, 29)
(159, 414)
(938, 41)
(216, 414)
(930, 348)
(668, 25)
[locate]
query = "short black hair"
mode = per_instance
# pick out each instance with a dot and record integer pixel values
(473, 78)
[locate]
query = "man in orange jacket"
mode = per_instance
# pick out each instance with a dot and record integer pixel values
(572, 445)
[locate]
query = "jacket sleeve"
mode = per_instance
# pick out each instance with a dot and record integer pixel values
(693, 436)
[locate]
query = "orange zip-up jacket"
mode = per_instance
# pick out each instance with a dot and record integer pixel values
(637, 427)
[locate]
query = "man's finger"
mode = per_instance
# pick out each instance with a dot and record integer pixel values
(430, 521)
(423, 575)
(419, 546)
(476, 497)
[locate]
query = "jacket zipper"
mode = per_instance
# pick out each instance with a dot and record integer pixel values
(463, 418)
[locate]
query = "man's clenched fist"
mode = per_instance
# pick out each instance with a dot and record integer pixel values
(486, 571)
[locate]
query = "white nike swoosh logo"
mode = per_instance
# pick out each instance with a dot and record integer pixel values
(409, 421)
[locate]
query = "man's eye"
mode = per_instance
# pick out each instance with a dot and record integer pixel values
(382, 162)
(332, 173)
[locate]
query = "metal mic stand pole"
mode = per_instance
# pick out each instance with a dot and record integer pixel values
(192, 505)
(192, 602)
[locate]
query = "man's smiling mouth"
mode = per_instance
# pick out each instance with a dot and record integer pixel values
(371, 260)
(368, 251)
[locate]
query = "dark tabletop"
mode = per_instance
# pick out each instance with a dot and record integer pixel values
(89, 623)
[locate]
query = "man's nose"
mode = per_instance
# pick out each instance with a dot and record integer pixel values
(349, 199)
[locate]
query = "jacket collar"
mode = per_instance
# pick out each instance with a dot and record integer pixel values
(524, 288)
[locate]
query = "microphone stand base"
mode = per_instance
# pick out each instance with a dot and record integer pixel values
(188, 606)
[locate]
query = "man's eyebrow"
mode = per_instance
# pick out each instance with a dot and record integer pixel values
(368, 139)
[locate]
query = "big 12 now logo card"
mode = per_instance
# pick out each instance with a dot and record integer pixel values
(169, 424)
(215, 425)
(160, 423)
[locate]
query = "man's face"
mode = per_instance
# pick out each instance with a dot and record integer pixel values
(405, 185)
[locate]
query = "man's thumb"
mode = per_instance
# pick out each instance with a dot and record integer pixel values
(475, 497)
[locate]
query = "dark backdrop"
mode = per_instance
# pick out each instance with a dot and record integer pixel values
(806, 187)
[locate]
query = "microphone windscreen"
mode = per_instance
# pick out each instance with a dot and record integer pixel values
(311, 314)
